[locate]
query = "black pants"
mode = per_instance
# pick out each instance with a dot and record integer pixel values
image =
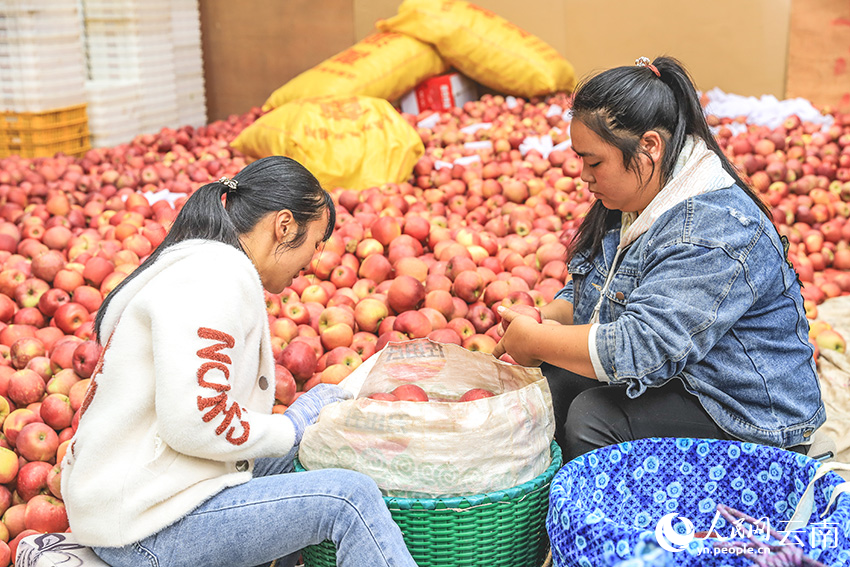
(590, 414)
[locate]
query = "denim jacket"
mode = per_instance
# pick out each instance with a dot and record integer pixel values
(706, 296)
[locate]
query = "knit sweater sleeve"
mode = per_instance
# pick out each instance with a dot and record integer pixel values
(208, 321)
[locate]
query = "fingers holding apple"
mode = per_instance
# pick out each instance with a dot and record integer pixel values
(516, 330)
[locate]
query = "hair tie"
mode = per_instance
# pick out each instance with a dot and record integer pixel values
(645, 62)
(230, 183)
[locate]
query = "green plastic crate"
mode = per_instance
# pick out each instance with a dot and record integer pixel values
(505, 528)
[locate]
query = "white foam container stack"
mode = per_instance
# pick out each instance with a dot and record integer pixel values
(113, 112)
(188, 62)
(145, 66)
(129, 48)
(42, 58)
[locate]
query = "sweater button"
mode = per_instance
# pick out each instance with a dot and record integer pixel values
(242, 466)
(264, 383)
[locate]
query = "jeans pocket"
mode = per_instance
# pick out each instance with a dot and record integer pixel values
(145, 553)
(139, 554)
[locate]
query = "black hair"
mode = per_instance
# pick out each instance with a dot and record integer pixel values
(265, 186)
(620, 105)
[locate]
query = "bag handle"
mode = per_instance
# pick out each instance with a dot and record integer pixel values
(805, 507)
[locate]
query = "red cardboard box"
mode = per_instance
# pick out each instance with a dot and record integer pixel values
(439, 93)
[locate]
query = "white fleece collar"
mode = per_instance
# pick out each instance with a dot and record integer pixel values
(698, 170)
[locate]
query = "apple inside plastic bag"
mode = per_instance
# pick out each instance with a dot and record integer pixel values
(441, 447)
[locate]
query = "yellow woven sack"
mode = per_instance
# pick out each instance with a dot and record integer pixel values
(485, 47)
(354, 142)
(384, 65)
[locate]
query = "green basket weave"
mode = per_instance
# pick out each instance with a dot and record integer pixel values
(505, 528)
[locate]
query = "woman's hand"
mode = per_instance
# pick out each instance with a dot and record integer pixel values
(518, 339)
(304, 411)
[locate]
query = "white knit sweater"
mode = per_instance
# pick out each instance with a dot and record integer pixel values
(180, 403)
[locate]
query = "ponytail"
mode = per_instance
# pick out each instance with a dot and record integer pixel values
(265, 186)
(620, 105)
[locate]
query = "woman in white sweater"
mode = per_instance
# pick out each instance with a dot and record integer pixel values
(178, 459)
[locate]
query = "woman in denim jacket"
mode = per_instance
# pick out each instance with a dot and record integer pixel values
(683, 316)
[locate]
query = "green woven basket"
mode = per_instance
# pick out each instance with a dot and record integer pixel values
(506, 528)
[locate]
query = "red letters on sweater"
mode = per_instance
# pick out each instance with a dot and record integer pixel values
(217, 404)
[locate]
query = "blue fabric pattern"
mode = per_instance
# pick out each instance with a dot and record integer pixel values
(652, 502)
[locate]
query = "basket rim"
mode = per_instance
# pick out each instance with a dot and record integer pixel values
(540, 481)
(578, 464)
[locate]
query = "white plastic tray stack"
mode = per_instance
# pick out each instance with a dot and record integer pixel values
(113, 108)
(42, 58)
(188, 62)
(131, 67)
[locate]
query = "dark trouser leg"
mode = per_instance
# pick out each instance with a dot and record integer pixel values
(606, 416)
(565, 386)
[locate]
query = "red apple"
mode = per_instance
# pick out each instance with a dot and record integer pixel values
(413, 324)
(8, 465)
(300, 359)
(476, 394)
(77, 393)
(7, 308)
(32, 479)
(89, 297)
(285, 386)
(68, 280)
(30, 291)
(410, 393)
(383, 396)
(85, 358)
(16, 421)
(446, 336)
(41, 366)
(62, 354)
(375, 267)
(46, 514)
(70, 316)
(29, 316)
(522, 309)
(405, 293)
(13, 519)
(369, 313)
(51, 300)
(334, 374)
(336, 335)
(25, 349)
(468, 285)
(62, 381)
(54, 478)
(386, 229)
(56, 411)
(37, 442)
(25, 387)
(481, 343)
(284, 328)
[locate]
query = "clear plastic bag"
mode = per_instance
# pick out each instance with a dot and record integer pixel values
(441, 447)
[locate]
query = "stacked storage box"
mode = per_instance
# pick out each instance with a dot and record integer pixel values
(113, 111)
(42, 79)
(188, 62)
(130, 66)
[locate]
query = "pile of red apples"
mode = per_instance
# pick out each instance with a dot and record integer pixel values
(483, 222)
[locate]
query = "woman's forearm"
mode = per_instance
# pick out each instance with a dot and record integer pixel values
(559, 310)
(564, 346)
(530, 343)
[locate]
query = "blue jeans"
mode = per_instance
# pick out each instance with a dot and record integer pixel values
(274, 516)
